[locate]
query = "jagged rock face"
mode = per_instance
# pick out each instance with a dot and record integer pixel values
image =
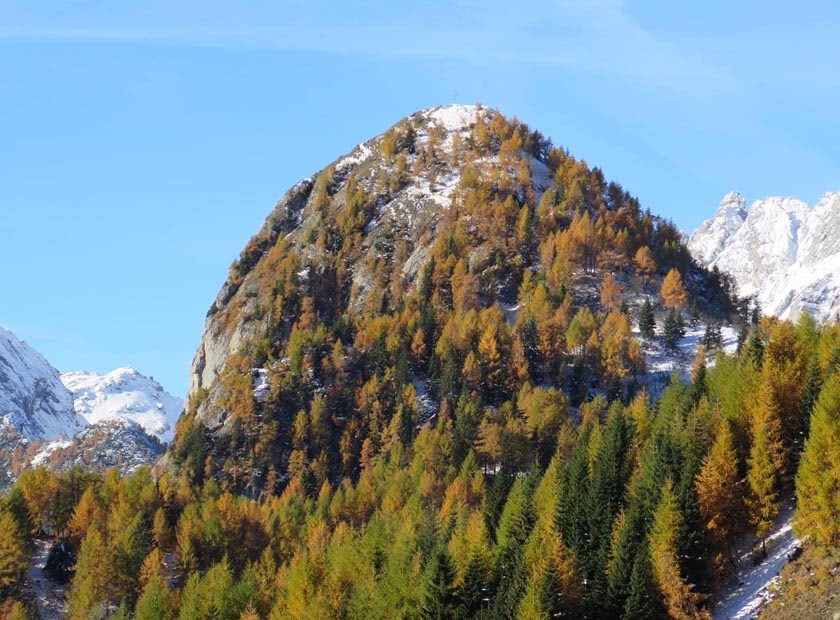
(33, 401)
(111, 443)
(126, 394)
(781, 251)
(411, 214)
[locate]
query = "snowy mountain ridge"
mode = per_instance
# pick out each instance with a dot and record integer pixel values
(33, 400)
(781, 251)
(124, 394)
(119, 419)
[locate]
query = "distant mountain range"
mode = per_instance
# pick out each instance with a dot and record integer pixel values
(119, 419)
(780, 251)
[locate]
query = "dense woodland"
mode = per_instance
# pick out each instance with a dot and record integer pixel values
(544, 483)
(630, 513)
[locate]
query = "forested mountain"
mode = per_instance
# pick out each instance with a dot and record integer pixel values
(456, 261)
(424, 391)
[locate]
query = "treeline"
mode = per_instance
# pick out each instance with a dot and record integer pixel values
(629, 511)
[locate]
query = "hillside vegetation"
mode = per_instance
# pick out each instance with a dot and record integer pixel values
(421, 394)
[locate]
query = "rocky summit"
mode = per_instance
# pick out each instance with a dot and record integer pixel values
(780, 251)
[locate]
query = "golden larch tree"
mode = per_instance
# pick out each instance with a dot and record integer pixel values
(673, 293)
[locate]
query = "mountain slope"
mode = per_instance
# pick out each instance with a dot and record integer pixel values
(33, 399)
(780, 251)
(444, 258)
(111, 442)
(124, 394)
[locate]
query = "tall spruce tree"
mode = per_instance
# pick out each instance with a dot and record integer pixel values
(681, 602)
(673, 328)
(438, 599)
(647, 322)
(604, 500)
(642, 599)
(818, 479)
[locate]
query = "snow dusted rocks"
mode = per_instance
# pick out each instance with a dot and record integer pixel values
(781, 251)
(113, 442)
(124, 394)
(33, 401)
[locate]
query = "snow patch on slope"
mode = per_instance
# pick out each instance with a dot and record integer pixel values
(752, 590)
(454, 117)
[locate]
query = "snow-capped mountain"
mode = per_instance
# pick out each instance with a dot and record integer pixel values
(124, 394)
(780, 250)
(120, 419)
(33, 400)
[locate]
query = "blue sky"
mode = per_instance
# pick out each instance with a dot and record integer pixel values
(144, 142)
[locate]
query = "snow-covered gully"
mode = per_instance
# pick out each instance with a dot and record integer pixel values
(744, 599)
(48, 594)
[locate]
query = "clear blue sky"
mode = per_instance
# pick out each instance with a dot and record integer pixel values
(144, 142)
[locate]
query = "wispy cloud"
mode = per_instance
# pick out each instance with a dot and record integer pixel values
(597, 37)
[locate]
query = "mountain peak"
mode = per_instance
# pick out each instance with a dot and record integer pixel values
(715, 232)
(124, 393)
(454, 116)
(732, 200)
(33, 400)
(781, 251)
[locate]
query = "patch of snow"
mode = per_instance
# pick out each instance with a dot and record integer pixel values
(44, 453)
(48, 595)
(454, 117)
(262, 387)
(426, 406)
(661, 362)
(510, 312)
(356, 157)
(745, 600)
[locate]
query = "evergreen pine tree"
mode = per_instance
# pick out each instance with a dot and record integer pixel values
(470, 596)
(571, 507)
(753, 349)
(610, 473)
(712, 338)
(673, 329)
(494, 500)
(642, 599)
(680, 601)
(818, 478)
(647, 323)
(807, 400)
(438, 600)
